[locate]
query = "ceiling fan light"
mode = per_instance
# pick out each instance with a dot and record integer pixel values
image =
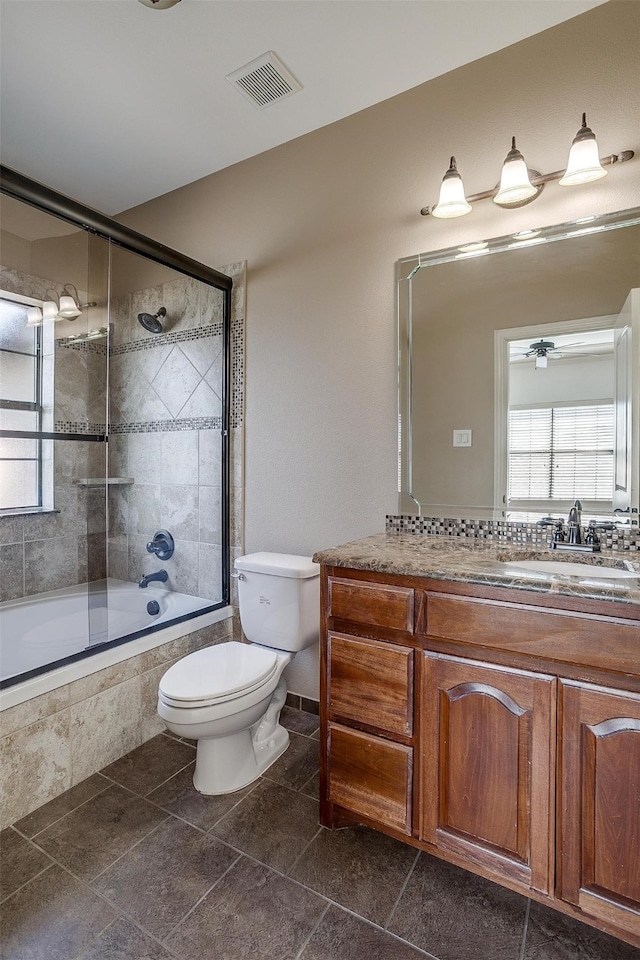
(541, 361)
(515, 185)
(584, 164)
(452, 201)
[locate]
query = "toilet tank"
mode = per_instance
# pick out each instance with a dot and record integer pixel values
(279, 599)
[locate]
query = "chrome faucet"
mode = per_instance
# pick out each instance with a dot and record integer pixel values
(161, 576)
(574, 521)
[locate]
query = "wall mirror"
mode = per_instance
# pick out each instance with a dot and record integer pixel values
(519, 374)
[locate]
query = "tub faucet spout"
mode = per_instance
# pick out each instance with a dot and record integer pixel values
(162, 576)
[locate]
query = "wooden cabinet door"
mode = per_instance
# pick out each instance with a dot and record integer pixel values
(488, 757)
(599, 836)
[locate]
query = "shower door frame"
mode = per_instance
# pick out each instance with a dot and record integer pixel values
(19, 187)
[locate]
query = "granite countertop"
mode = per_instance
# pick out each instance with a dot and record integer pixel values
(485, 562)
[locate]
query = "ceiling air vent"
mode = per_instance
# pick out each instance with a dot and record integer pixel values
(264, 80)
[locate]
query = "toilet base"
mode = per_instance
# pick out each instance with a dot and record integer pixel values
(227, 764)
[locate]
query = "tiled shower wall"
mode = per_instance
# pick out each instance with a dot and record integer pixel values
(46, 551)
(165, 435)
(165, 422)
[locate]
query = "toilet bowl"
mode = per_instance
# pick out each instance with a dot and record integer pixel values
(229, 696)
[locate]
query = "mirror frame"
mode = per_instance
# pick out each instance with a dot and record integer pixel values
(406, 270)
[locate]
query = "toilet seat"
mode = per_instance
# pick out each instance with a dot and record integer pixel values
(216, 674)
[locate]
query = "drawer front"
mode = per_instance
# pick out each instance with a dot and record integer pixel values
(371, 777)
(373, 604)
(571, 638)
(371, 682)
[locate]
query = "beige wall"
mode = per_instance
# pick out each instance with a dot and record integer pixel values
(321, 221)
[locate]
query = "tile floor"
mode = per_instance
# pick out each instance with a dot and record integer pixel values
(133, 864)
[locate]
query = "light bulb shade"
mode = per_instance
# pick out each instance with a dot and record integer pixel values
(515, 185)
(451, 202)
(34, 317)
(68, 309)
(584, 164)
(49, 310)
(160, 4)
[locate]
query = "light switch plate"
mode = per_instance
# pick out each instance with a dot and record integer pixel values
(462, 438)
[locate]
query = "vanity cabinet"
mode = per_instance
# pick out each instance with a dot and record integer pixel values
(371, 688)
(599, 836)
(487, 771)
(495, 728)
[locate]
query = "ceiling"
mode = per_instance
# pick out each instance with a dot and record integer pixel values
(113, 103)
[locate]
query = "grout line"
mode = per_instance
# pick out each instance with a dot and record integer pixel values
(525, 930)
(203, 897)
(107, 786)
(166, 780)
(23, 885)
(303, 851)
(402, 890)
(306, 941)
(91, 943)
(306, 783)
(127, 851)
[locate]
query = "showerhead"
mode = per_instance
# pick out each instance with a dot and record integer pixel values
(151, 321)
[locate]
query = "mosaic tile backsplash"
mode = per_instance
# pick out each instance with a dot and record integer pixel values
(501, 530)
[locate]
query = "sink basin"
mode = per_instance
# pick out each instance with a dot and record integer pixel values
(584, 570)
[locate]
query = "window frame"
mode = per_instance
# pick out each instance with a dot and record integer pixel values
(34, 406)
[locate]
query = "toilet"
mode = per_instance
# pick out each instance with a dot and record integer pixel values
(229, 696)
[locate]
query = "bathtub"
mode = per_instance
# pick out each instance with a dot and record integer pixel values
(53, 638)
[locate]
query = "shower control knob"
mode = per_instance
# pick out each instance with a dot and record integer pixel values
(162, 545)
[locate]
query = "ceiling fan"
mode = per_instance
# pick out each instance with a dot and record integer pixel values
(542, 349)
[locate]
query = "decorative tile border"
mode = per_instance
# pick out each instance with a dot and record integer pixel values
(165, 339)
(167, 426)
(237, 372)
(500, 530)
(78, 426)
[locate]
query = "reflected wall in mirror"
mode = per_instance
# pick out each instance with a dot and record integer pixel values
(519, 374)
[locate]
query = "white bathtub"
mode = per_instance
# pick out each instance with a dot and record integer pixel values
(42, 630)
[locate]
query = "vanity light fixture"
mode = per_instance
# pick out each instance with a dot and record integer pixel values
(519, 184)
(67, 307)
(525, 234)
(515, 186)
(584, 163)
(451, 202)
(474, 247)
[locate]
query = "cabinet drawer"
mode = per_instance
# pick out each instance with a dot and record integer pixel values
(371, 777)
(371, 682)
(373, 604)
(571, 637)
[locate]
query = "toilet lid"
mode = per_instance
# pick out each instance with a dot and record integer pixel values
(219, 672)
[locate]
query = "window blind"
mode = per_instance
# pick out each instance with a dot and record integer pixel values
(560, 453)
